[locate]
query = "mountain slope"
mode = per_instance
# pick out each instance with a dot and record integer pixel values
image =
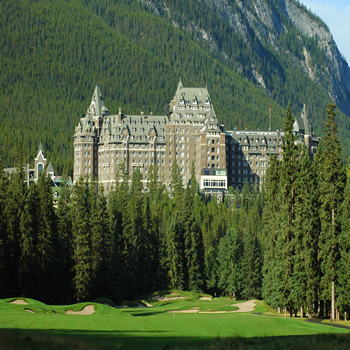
(52, 54)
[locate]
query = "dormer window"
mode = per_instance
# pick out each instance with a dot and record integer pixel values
(207, 101)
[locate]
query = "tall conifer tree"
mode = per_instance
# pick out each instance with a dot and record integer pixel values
(307, 228)
(331, 196)
(81, 214)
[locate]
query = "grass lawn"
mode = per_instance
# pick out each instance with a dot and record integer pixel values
(140, 328)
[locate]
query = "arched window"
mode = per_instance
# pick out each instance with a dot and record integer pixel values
(40, 167)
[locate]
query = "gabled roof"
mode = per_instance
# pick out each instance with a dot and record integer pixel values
(50, 169)
(97, 104)
(302, 123)
(192, 104)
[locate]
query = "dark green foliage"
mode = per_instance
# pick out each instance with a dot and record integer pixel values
(65, 242)
(307, 227)
(81, 232)
(267, 243)
(100, 244)
(230, 263)
(52, 55)
(331, 188)
(47, 240)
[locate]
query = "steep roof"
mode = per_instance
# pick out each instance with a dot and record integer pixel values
(192, 104)
(97, 104)
(50, 168)
(40, 148)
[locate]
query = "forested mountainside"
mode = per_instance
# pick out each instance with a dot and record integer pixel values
(53, 53)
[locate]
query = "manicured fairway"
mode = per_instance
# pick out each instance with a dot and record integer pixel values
(148, 328)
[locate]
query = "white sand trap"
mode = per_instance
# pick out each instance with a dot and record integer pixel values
(172, 298)
(87, 310)
(205, 298)
(184, 312)
(31, 311)
(243, 307)
(19, 302)
(247, 306)
(148, 304)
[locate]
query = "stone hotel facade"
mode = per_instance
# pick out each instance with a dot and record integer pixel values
(190, 134)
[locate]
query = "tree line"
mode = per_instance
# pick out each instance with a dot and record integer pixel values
(306, 227)
(131, 243)
(287, 243)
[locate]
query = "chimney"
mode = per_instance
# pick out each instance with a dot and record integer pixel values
(120, 116)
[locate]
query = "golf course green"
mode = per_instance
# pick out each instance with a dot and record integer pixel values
(170, 321)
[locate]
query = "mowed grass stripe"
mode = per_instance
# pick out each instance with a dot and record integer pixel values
(155, 328)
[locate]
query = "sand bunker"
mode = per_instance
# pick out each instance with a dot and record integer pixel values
(144, 304)
(184, 311)
(19, 302)
(247, 306)
(87, 310)
(205, 298)
(172, 298)
(31, 311)
(243, 307)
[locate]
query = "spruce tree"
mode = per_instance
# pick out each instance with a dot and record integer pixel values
(115, 269)
(65, 238)
(134, 249)
(230, 253)
(271, 232)
(81, 232)
(175, 253)
(286, 216)
(29, 271)
(307, 227)
(344, 266)
(252, 261)
(100, 243)
(47, 241)
(3, 230)
(16, 195)
(331, 196)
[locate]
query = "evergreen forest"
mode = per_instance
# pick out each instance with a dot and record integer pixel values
(287, 243)
(53, 53)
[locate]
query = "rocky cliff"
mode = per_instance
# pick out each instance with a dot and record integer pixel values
(270, 26)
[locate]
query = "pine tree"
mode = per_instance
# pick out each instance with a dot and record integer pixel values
(65, 238)
(230, 263)
(132, 234)
(16, 195)
(286, 216)
(270, 233)
(307, 228)
(175, 253)
(115, 270)
(29, 271)
(251, 261)
(81, 231)
(100, 243)
(331, 196)
(47, 240)
(344, 266)
(3, 229)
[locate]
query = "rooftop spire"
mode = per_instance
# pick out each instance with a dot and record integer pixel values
(96, 102)
(40, 148)
(180, 84)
